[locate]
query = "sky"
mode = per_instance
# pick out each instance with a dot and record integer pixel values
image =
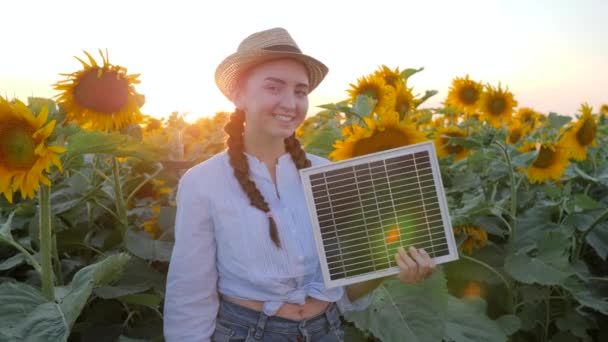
(552, 54)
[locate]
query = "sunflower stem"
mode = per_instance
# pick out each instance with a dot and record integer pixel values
(121, 208)
(513, 186)
(46, 243)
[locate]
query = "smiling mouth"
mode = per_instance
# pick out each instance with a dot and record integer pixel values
(284, 118)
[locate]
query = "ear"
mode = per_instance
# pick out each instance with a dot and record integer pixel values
(237, 99)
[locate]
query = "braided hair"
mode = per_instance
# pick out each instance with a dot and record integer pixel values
(236, 147)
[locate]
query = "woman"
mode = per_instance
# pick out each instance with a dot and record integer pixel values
(244, 265)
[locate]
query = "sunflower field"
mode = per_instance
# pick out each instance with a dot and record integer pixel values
(87, 207)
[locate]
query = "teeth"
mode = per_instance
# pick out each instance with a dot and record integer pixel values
(283, 117)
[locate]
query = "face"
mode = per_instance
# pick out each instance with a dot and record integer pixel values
(274, 97)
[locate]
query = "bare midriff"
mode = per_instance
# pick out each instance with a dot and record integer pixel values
(295, 312)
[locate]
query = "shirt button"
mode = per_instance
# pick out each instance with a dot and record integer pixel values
(301, 258)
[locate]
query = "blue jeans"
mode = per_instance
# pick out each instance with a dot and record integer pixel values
(238, 323)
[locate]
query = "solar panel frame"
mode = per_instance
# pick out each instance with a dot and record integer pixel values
(368, 160)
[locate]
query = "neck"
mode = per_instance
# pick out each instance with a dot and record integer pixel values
(267, 149)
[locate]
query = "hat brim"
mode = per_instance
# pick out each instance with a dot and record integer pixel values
(233, 66)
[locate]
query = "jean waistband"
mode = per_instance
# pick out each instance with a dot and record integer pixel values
(250, 318)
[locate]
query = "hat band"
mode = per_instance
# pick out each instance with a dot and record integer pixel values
(286, 48)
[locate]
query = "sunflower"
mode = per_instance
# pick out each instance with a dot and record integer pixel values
(580, 134)
(497, 105)
(528, 117)
(476, 237)
(381, 134)
(604, 109)
(391, 77)
(24, 153)
(447, 148)
(550, 163)
(151, 226)
(404, 100)
(464, 94)
(516, 131)
(376, 89)
(100, 97)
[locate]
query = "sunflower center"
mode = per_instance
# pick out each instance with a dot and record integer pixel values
(380, 141)
(545, 158)
(451, 147)
(106, 94)
(497, 106)
(586, 133)
(17, 145)
(469, 95)
(515, 135)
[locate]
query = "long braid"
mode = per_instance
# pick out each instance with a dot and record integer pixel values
(292, 145)
(238, 160)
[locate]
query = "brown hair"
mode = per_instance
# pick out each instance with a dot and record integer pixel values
(238, 161)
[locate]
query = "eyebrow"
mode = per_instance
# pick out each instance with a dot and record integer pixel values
(278, 80)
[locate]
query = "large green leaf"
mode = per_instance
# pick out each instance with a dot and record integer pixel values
(115, 144)
(401, 312)
(549, 266)
(11, 262)
(17, 300)
(86, 279)
(468, 322)
(587, 293)
(140, 244)
(598, 239)
(27, 316)
(137, 277)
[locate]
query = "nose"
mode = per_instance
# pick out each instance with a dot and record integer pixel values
(288, 102)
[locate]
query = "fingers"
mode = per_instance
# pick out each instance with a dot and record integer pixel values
(415, 266)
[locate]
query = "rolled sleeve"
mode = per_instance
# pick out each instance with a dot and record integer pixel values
(191, 299)
(345, 304)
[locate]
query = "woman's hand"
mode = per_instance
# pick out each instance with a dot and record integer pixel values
(415, 267)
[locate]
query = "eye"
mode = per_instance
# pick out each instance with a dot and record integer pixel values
(301, 93)
(272, 88)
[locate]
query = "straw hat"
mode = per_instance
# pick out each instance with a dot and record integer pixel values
(260, 47)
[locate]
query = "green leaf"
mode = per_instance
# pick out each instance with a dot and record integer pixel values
(364, 105)
(44, 323)
(5, 228)
(86, 279)
(115, 144)
(17, 300)
(137, 277)
(12, 262)
(468, 322)
(401, 312)
(427, 95)
(146, 299)
(588, 294)
(405, 74)
(509, 324)
(576, 324)
(556, 121)
(166, 218)
(584, 202)
(140, 244)
(598, 239)
(524, 160)
(550, 265)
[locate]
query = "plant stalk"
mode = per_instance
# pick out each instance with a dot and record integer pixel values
(121, 207)
(513, 186)
(46, 243)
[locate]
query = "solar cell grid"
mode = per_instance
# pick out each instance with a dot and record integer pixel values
(363, 209)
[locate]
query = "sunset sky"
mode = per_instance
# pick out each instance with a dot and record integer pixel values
(553, 55)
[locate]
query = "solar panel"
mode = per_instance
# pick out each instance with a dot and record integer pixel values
(364, 208)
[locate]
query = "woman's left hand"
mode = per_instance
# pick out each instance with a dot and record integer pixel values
(415, 266)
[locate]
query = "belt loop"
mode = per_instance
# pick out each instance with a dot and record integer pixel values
(331, 316)
(259, 329)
